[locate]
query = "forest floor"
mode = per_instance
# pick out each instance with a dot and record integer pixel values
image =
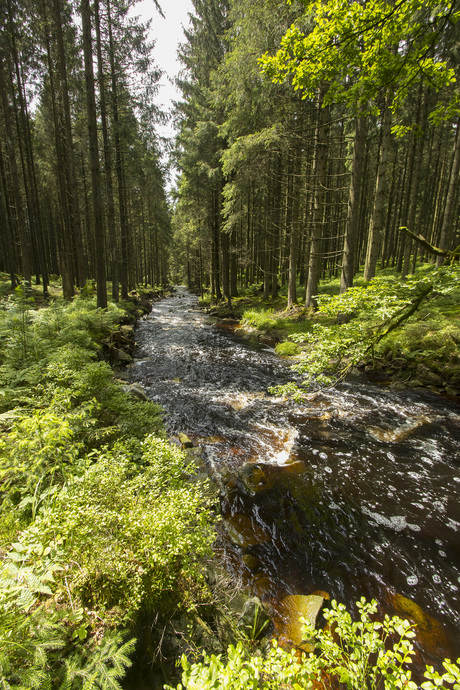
(424, 352)
(84, 567)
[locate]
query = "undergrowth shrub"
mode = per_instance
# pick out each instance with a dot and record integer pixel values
(98, 522)
(287, 349)
(387, 317)
(112, 542)
(363, 654)
(262, 319)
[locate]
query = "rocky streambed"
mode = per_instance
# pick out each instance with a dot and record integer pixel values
(353, 492)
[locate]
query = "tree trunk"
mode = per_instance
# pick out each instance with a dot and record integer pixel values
(416, 155)
(224, 241)
(294, 235)
(72, 189)
(15, 179)
(94, 158)
(6, 237)
(451, 199)
(354, 204)
(107, 159)
(320, 175)
(377, 220)
(119, 164)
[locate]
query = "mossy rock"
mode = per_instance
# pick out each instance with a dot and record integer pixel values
(287, 349)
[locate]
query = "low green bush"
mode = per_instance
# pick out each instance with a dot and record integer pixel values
(287, 349)
(261, 319)
(99, 522)
(386, 318)
(363, 654)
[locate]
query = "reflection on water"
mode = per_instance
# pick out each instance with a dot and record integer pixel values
(354, 492)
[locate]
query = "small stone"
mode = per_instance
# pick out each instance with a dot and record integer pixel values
(251, 561)
(185, 441)
(136, 391)
(428, 376)
(122, 356)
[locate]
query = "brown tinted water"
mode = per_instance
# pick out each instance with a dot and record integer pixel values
(354, 492)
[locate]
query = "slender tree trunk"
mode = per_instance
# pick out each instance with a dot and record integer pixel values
(354, 204)
(75, 240)
(107, 159)
(233, 265)
(224, 241)
(15, 179)
(314, 267)
(276, 221)
(119, 164)
(94, 157)
(6, 234)
(215, 243)
(417, 156)
(294, 235)
(377, 220)
(451, 200)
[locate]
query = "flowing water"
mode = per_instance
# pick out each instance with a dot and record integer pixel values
(354, 492)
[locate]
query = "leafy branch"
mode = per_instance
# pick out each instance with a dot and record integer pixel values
(371, 313)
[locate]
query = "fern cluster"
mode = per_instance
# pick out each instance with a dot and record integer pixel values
(97, 523)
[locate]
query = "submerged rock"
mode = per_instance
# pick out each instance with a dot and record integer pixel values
(121, 356)
(291, 609)
(252, 478)
(429, 631)
(400, 433)
(244, 531)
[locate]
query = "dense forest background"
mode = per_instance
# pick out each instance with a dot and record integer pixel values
(82, 188)
(304, 164)
(294, 166)
(308, 135)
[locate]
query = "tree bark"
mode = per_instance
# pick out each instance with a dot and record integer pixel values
(451, 196)
(377, 220)
(123, 274)
(314, 267)
(15, 179)
(98, 216)
(107, 159)
(75, 236)
(354, 204)
(294, 234)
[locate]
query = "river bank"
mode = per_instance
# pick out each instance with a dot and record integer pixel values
(422, 353)
(351, 493)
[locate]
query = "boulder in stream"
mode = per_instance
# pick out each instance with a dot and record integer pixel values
(428, 630)
(121, 357)
(245, 531)
(136, 391)
(400, 433)
(185, 441)
(291, 609)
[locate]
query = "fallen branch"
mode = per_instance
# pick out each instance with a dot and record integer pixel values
(450, 255)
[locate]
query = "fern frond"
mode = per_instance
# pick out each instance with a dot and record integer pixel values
(91, 683)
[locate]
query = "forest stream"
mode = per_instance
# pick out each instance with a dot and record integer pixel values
(352, 493)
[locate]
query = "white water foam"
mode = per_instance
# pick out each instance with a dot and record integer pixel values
(395, 522)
